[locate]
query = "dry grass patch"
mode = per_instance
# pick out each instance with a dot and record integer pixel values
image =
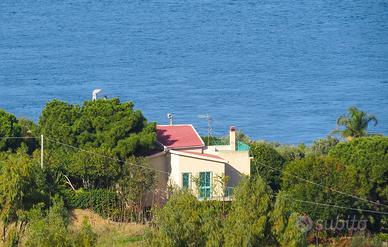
(109, 233)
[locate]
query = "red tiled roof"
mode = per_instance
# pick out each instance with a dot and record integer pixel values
(204, 155)
(178, 136)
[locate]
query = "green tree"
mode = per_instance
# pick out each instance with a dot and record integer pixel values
(369, 157)
(284, 224)
(323, 146)
(29, 130)
(94, 168)
(9, 127)
(325, 175)
(178, 223)
(213, 223)
(19, 190)
(264, 157)
(109, 124)
(355, 123)
(290, 152)
(247, 223)
(136, 179)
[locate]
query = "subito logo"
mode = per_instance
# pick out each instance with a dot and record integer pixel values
(304, 223)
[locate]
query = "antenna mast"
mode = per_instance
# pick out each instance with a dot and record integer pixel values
(209, 119)
(170, 118)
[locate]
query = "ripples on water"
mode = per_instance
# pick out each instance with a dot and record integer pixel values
(278, 70)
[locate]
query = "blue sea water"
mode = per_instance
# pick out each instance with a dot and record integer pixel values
(278, 70)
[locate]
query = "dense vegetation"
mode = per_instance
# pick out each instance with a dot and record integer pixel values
(94, 159)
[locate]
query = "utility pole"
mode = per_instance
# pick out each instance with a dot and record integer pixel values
(41, 151)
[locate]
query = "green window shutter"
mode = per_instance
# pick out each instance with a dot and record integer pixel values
(205, 184)
(185, 180)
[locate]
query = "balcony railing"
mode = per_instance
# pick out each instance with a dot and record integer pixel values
(228, 195)
(241, 146)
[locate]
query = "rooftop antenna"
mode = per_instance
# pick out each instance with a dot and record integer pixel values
(95, 92)
(209, 119)
(170, 118)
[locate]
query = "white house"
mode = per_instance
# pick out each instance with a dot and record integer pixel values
(186, 162)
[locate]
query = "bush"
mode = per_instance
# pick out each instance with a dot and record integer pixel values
(361, 240)
(50, 229)
(102, 201)
(86, 237)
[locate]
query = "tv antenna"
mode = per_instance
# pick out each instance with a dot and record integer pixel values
(170, 118)
(209, 119)
(95, 92)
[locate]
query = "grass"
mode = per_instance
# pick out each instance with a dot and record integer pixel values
(117, 239)
(110, 233)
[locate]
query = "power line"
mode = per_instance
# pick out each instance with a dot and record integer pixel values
(322, 186)
(281, 171)
(331, 205)
(105, 156)
(19, 137)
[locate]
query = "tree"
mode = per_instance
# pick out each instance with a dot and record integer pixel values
(355, 123)
(109, 124)
(19, 190)
(290, 152)
(136, 180)
(94, 168)
(325, 175)
(247, 223)
(369, 157)
(323, 146)
(178, 223)
(213, 223)
(284, 224)
(264, 157)
(9, 127)
(29, 130)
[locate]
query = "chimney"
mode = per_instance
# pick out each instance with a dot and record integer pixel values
(232, 138)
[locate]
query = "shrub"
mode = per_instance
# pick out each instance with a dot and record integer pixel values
(49, 228)
(102, 201)
(86, 237)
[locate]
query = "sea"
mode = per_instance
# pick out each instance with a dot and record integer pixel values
(281, 71)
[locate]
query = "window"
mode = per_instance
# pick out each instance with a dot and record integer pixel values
(186, 180)
(205, 184)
